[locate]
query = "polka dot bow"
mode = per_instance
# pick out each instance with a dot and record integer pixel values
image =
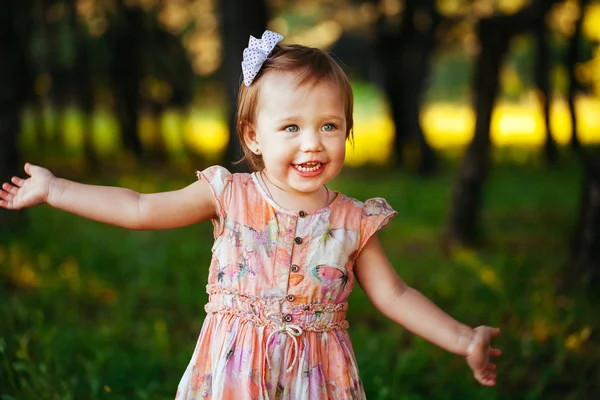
(256, 53)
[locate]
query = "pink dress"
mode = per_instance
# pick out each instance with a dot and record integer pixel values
(278, 284)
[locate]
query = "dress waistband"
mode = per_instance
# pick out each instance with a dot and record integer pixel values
(275, 313)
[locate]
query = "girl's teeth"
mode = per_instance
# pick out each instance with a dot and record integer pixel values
(308, 167)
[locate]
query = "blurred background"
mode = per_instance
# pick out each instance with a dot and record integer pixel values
(478, 120)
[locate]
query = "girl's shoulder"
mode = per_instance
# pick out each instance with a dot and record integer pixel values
(369, 207)
(238, 187)
(221, 176)
(365, 217)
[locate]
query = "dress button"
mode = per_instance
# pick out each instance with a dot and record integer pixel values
(290, 297)
(298, 240)
(302, 214)
(295, 268)
(287, 318)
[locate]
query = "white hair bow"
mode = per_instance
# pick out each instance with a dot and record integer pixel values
(256, 53)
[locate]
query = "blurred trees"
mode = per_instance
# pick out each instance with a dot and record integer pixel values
(81, 85)
(239, 20)
(542, 80)
(127, 42)
(405, 49)
(585, 244)
(573, 57)
(15, 84)
(494, 35)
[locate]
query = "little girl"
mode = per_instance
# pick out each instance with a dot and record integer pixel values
(287, 249)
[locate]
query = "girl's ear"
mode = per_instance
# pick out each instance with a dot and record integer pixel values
(249, 135)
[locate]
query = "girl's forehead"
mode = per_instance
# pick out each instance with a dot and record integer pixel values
(284, 88)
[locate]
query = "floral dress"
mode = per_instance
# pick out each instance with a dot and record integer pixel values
(278, 287)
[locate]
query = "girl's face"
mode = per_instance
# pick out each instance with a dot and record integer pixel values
(300, 132)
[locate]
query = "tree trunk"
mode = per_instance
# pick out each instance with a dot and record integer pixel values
(127, 75)
(542, 79)
(494, 35)
(81, 88)
(406, 55)
(585, 245)
(585, 242)
(239, 20)
(14, 78)
(574, 86)
(466, 201)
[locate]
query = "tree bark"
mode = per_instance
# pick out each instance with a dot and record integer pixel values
(126, 71)
(168, 61)
(81, 87)
(585, 245)
(494, 36)
(14, 89)
(542, 79)
(406, 55)
(239, 20)
(585, 241)
(466, 201)
(574, 86)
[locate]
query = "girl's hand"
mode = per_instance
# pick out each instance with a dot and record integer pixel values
(479, 353)
(27, 192)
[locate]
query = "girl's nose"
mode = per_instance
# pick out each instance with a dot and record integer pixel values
(311, 141)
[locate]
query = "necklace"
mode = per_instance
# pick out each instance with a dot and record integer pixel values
(264, 184)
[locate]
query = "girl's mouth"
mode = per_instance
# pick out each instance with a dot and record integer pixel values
(308, 167)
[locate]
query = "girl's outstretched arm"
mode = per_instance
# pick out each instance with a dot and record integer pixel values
(409, 308)
(111, 205)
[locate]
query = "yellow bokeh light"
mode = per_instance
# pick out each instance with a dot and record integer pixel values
(562, 16)
(175, 15)
(323, 35)
(450, 7)
(591, 22)
(448, 125)
(511, 6)
(206, 135)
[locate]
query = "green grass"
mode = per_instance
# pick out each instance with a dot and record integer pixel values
(90, 311)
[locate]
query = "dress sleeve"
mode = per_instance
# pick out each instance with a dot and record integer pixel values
(376, 214)
(219, 180)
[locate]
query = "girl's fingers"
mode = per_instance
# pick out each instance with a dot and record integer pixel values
(490, 379)
(9, 188)
(17, 181)
(487, 380)
(495, 352)
(492, 367)
(5, 199)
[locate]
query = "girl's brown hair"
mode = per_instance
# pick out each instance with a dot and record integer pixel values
(313, 66)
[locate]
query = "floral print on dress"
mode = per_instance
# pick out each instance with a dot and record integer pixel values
(278, 286)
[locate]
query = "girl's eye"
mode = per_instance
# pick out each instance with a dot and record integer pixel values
(292, 128)
(328, 127)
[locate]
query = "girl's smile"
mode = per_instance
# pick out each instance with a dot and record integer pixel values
(300, 131)
(309, 169)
